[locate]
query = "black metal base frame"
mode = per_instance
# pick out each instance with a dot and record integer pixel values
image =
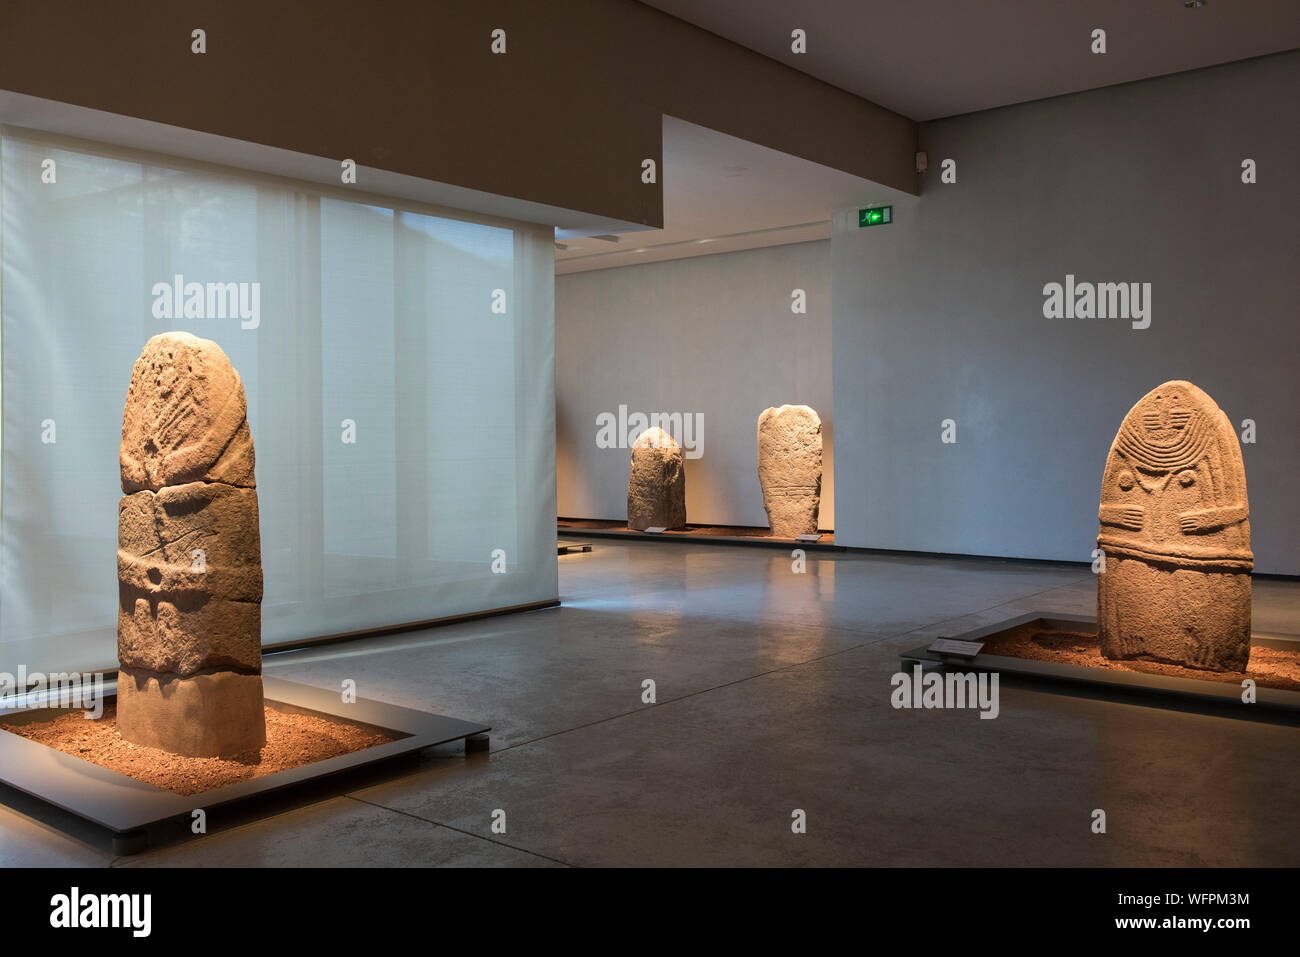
(128, 809)
(670, 535)
(1166, 687)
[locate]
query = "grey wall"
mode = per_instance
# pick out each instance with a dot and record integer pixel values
(714, 335)
(940, 314)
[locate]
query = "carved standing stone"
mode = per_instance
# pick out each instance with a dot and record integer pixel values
(189, 564)
(790, 469)
(1175, 531)
(656, 484)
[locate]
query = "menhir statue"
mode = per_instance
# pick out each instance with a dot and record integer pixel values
(790, 469)
(189, 564)
(1175, 531)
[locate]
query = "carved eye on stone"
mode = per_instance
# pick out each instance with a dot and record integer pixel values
(1126, 480)
(1186, 477)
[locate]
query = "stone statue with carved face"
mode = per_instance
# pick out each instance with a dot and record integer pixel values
(1175, 530)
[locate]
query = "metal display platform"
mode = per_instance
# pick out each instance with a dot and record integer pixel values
(824, 542)
(1168, 687)
(128, 808)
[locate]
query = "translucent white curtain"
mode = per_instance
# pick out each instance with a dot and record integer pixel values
(400, 382)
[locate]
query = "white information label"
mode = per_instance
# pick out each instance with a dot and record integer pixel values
(950, 646)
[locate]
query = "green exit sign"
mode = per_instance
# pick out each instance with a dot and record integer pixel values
(876, 216)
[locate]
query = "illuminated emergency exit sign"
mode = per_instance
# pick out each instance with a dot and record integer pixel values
(876, 216)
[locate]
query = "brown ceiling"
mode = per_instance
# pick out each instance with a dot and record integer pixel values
(927, 59)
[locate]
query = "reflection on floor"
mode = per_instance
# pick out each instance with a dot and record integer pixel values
(772, 692)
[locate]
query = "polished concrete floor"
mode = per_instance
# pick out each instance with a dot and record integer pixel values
(772, 695)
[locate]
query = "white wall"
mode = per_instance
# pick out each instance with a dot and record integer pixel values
(713, 335)
(940, 315)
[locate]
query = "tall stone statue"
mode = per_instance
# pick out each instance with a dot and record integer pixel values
(656, 483)
(189, 564)
(1175, 531)
(790, 469)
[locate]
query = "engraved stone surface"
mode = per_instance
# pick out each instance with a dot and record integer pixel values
(189, 565)
(656, 484)
(186, 419)
(1175, 531)
(790, 469)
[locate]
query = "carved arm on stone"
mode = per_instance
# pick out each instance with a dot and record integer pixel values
(1211, 519)
(1122, 516)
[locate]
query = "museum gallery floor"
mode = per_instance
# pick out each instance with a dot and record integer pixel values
(775, 698)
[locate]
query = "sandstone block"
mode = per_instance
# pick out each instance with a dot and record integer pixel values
(193, 538)
(217, 714)
(183, 635)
